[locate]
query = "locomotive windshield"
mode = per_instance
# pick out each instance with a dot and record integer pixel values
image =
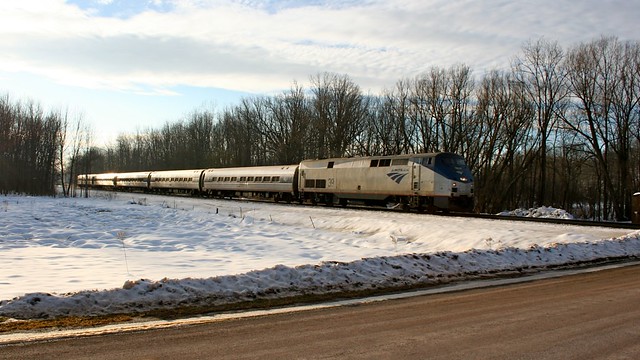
(453, 167)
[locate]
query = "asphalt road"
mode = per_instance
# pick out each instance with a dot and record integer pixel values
(586, 316)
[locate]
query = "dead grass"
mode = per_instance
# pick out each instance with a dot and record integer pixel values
(74, 322)
(67, 322)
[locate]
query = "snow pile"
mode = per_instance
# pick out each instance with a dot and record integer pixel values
(541, 212)
(72, 256)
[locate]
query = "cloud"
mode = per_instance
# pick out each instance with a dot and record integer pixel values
(262, 46)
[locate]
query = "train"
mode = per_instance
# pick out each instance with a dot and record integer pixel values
(428, 181)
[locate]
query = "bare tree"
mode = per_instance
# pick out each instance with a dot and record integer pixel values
(7, 146)
(29, 140)
(458, 125)
(539, 70)
(286, 129)
(70, 143)
(385, 131)
(338, 111)
(602, 79)
(430, 106)
(501, 155)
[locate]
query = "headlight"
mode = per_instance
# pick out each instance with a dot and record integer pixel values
(464, 179)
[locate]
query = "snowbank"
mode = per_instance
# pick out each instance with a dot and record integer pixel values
(541, 212)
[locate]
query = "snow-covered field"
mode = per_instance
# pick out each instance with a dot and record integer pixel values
(123, 252)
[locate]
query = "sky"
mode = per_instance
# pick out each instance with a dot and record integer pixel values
(129, 65)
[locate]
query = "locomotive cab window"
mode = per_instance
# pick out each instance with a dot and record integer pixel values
(374, 163)
(384, 162)
(330, 165)
(425, 161)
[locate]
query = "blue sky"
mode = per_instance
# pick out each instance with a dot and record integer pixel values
(127, 65)
(123, 9)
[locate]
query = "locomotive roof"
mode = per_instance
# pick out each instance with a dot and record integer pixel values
(272, 168)
(355, 158)
(169, 172)
(364, 160)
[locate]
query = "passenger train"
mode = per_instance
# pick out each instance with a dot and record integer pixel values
(435, 181)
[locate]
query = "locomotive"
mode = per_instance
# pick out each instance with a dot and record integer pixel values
(433, 181)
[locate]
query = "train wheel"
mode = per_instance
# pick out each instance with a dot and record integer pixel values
(328, 199)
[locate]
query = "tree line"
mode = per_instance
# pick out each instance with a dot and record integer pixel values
(38, 148)
(560, 127)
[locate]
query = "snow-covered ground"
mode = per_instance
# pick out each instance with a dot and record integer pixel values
(123, 252)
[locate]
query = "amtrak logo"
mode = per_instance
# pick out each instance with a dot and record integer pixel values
(397, 176)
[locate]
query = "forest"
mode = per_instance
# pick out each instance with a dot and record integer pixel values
(560, 127)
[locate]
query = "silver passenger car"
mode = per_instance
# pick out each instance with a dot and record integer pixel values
(133, 181)
(278, 181)
(186, 181)
(98, 181)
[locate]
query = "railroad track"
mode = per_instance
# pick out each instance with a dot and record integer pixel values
(574, 222)
(578, 222)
